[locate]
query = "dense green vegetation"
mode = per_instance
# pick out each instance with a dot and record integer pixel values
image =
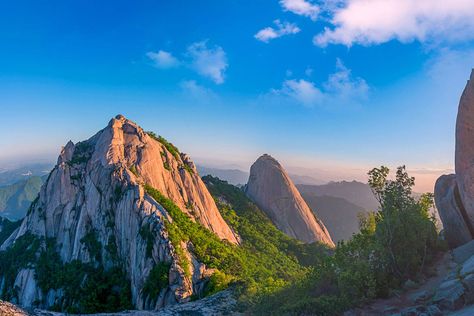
(82, 154)
(88, 288)
(157, 279)
(395, 244)
(172, 150)
(169, 146)
(18, 256)
(147, 235)
(265, 261)
(7, 227)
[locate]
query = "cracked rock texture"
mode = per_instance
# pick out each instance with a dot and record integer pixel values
(98, 185)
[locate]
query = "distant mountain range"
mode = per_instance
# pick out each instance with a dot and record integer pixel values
(355, 192)
(339, 215)
(232, 176)
(15, 199)
(337, 204)
(11, 176)
(239, 177)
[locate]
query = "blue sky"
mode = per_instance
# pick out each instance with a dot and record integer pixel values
(331, 88)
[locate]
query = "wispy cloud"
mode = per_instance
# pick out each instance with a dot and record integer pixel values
(302, 91)
(345, 86)
(208, 62)
(301, 7)
(163, 59)
(281, 29)
(369, 22)
(340, 87)
(197, 92)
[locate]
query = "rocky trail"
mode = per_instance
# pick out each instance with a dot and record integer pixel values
(449, 291)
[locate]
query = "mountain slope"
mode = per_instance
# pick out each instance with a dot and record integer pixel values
(270, 187)
(94, 213)
(124, 221)
(339, 215)
(354, 192)
(16, 198)
(233, 176)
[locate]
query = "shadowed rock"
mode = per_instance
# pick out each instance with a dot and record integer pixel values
(454, 194)
(450, 209)
(464, 162)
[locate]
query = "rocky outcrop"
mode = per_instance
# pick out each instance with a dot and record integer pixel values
(451, 211)
(273, 191)
(464, 162)
(97, 188)
(454, 194)
(8, 309)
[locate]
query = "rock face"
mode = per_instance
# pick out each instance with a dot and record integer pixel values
(222, 303)
(273, 191)
(464, 162)
(98, 186)
(7, 309)
(454, 194)
(451, 211)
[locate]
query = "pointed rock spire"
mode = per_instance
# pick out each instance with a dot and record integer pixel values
(271, 188)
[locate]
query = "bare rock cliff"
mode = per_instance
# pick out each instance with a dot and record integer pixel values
(270, 187)
(454, 194)
(97, 187)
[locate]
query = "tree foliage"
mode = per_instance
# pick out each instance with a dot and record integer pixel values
(395, 244)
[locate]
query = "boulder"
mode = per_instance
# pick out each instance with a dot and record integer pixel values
(467, 267)
(271, 188)
(450, 295)
(464, 164)
(464, 252)
(456, 230)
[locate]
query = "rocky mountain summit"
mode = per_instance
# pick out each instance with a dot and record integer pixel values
(270, 187)
(454, 194)
(97, 216)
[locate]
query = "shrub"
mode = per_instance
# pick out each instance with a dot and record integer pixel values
(157, 280)
(394, 244)
(169, 146)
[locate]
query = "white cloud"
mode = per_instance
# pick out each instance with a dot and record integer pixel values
(343, 85)
(163, 59)
(368, 22)
(301, 7)
(269, 33)
(302, 91)
(208, 62)
(340, 88)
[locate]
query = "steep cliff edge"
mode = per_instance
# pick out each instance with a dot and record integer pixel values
(95, 214)
(270, 187)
